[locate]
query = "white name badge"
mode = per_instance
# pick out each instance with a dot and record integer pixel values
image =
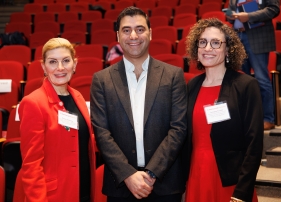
(68, 120)
(216, 113)
(5, 85)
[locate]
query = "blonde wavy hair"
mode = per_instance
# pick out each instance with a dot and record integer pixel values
(57, 43)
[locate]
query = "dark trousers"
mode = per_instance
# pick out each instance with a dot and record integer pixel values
(151, 198)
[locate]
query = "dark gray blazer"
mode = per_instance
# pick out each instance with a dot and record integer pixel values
(237, 142)
(164, 126)
(261, 39)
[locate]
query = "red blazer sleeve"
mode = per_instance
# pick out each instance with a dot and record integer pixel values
(32, 149)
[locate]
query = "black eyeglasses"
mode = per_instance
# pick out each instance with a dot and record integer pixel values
(215, 43)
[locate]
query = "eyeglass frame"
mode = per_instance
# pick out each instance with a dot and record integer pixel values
(221, 42)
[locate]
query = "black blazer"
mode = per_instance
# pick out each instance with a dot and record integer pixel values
(164, 126)
(237, 142)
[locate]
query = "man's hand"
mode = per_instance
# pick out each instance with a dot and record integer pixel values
(242, 16)
(138, 184)
(149, 180)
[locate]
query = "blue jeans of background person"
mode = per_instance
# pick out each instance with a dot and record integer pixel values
(259, 63)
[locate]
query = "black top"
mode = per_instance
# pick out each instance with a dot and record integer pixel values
(83, 135)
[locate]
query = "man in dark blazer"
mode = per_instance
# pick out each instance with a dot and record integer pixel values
(138, 112)
(258, 42)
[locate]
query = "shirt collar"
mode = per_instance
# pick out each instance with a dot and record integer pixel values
(129, 67)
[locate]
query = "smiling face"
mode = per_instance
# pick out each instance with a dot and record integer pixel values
(208, 56)
(134, 37)
(59, 66)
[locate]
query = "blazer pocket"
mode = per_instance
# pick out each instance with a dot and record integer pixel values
(51, 184)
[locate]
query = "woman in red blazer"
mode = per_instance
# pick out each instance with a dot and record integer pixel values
(57, 144)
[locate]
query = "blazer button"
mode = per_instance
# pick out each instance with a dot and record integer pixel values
(133, 151)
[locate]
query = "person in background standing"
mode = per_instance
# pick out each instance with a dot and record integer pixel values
(258, 42)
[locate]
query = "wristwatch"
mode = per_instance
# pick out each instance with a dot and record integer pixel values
(151, 174)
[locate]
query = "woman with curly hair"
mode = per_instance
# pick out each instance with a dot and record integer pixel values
(225, 119)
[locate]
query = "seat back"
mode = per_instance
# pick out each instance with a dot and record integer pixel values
(181, 47)
(278, 40)
(13, 128)
(214, 14)
(160, 46)
(82, 84)
(47, 26)
(20, 17)
(171, 59)
(44, 16)
(79, 6)
(104, 37)
(34, 70)
(146, 4)
(89, 50)
(24, 27)
(75, 25)
(67, 16)
(181, 20)
(123, 4)
(12, 161)
(158, 21)
(89, 16)
(169, 3)
(75, 36)
(88, 66)
(19, 53)
(38, 53)
(207, 7)
(112, 14)
(56, 7)
(33, 8)
(7, 100)
(12, 70)
(186, 8)
(32, 85)
(40, 38)
(162, 11)
(188, 76)
(102, 24)
(169, 33)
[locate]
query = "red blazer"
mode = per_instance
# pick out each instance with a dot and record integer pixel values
(50, 153)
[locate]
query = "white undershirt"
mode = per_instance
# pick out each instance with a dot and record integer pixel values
(137, 89)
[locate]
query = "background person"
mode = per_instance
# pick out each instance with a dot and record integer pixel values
(138, 111)
(258, 42)
(223, 152)
(58, 160)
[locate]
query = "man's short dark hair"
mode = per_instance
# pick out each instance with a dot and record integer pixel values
(131, 11)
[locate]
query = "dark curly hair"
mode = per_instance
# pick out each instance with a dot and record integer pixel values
(236, 51)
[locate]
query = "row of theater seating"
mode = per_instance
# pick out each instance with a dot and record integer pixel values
(109, 12)
(111, 4)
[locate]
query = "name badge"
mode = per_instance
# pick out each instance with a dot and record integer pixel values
(216, 113)
(5, 85)
(68, 120)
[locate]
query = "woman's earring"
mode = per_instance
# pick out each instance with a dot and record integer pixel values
(45, 74)
(227, 59)
(73, 72)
